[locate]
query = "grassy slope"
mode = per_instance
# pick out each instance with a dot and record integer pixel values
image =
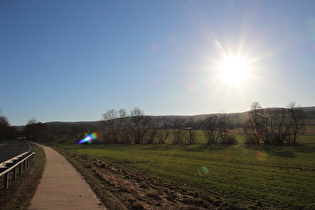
(238, 175)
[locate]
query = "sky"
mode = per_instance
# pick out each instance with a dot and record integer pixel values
(74, 60)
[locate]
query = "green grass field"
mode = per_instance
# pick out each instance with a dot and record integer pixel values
(237, 176)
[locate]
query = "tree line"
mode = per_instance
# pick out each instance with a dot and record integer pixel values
(7, 132)
(57, 132)
(138, 128)
(262, 126)
(274, 126)
(120, 127)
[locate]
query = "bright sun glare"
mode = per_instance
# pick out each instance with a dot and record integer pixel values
(234, 70)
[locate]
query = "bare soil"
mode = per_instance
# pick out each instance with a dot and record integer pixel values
(138, 191)
(309, 131)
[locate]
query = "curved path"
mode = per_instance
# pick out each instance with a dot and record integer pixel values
(62, 187)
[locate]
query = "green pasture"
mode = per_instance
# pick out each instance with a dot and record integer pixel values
(236, 176)
(201, 138)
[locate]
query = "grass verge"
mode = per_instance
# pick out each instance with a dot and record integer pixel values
(19, 194)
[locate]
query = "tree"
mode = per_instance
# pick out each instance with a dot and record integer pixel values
(153, 130)
(37, 131)
(279, 126)
(139, 124)
(255, 125)
(109, 121)
(274, 126)
(70, 132)
(163, 132)
(4, 121)
(7, 132)
(125, 134)
(297, 118)
(114, 121)
(210, 128)
(32, 121)
(224, 125)
(59, 132)
(178, 128)
(191, 131)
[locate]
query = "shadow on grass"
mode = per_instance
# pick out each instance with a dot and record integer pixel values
(304, 148)
(286, 151)
(285, 154)
(280, 151)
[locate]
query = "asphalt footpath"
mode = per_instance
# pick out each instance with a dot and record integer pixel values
(62, 187)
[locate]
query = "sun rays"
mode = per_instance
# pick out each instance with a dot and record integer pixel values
(234, 70)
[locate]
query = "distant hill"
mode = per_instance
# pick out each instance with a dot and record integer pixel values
(238, 118)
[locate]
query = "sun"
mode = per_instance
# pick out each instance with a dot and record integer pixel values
(234, 70)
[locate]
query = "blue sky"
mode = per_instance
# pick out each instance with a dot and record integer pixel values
(74, 60)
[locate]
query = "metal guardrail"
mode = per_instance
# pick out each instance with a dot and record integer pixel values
(9, 167)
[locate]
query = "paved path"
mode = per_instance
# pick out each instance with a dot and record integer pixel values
(62, 187)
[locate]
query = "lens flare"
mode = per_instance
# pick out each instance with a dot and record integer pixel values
(261, 156)
(203, 171)
(89, 138)
(226, 156)
(191, 87)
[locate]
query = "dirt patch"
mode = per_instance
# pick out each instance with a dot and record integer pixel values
(309, 131)
(138, 191)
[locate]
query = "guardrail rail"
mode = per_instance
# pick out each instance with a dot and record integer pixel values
(13, 167)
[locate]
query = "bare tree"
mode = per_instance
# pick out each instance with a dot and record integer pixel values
(59, 132)
(139, 124)
(7, 132)
(224, 125)
(255, 125)
(163, 132)
(122, 124)
(32, 121)
(37, 131)
(113, 122)
(210, 128)
(125, 134)
(152, 133)
(4, 121)
(297, 119)
(191, 131)
(274, 126)
(110, 126)
(279, 126)
(178, 128)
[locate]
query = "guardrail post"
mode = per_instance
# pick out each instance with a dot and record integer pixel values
(20, 168)
(24, 165)
(6, 181)
(14, 174)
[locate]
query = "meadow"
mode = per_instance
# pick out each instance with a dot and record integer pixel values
(238, 176)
